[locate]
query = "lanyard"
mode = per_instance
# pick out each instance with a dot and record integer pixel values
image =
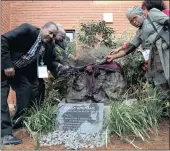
(41, 53)
(42, 62)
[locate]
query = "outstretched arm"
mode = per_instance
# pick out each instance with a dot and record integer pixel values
(130, 48)
(56, 64)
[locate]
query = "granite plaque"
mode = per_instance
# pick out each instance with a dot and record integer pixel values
(86, 118)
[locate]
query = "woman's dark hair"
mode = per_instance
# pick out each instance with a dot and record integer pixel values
(149, 4)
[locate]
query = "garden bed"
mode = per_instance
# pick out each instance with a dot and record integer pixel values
(161, 142)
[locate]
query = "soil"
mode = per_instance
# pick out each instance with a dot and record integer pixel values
(160, 142)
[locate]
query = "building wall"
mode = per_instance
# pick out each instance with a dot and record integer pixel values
(5, 16)
(69, 13)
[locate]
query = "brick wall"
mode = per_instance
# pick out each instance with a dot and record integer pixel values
(68, 13)
(5, 16)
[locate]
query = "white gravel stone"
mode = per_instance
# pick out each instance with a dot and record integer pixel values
(72, 140)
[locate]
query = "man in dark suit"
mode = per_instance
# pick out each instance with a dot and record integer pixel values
(61, 41)
(23, 51)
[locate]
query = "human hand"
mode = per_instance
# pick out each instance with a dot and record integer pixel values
(125, 45)
(63, 70)
(113, 52)
(109, 58)
(9, 72)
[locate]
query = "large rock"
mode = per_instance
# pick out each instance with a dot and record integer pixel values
(108, 84)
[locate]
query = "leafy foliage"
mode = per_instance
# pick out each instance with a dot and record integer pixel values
(42, 118)
(137, 120)
(39, 120)
(56, 89)
(71, 48)
(93, 33)
(133, 69)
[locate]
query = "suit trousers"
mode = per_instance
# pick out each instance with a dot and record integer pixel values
(26, 86)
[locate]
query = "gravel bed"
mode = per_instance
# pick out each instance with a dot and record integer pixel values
(73, 140)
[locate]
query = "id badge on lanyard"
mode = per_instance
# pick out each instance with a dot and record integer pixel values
(146, 54)
(42, 70)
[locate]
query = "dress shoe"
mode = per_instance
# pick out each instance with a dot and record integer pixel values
(18, 126)
(11, 140)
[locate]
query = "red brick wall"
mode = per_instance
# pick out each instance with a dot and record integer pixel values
(5, 16)
(68, 13)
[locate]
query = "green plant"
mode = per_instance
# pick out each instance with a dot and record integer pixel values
(56, 89)
(152, 104)
(119, 39)
(35, 136)
(133, 69)
(92, 33)
(71, 48)
(127, 119)
(136, 120)
(41, 119)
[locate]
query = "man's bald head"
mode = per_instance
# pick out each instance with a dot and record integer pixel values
(48, 24)
(49, 32)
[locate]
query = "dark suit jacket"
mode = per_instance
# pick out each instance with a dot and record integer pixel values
(17, 42)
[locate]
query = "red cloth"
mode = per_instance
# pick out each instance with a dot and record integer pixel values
(145, 65)
(112, 66)
(91, 71)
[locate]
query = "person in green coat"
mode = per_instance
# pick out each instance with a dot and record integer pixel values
(156, 52)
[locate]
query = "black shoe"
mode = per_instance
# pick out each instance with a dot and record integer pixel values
(17, 126)
(11, 140)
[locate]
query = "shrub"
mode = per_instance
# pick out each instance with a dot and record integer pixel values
(133, 69)
(92, 33)
(56, 89)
